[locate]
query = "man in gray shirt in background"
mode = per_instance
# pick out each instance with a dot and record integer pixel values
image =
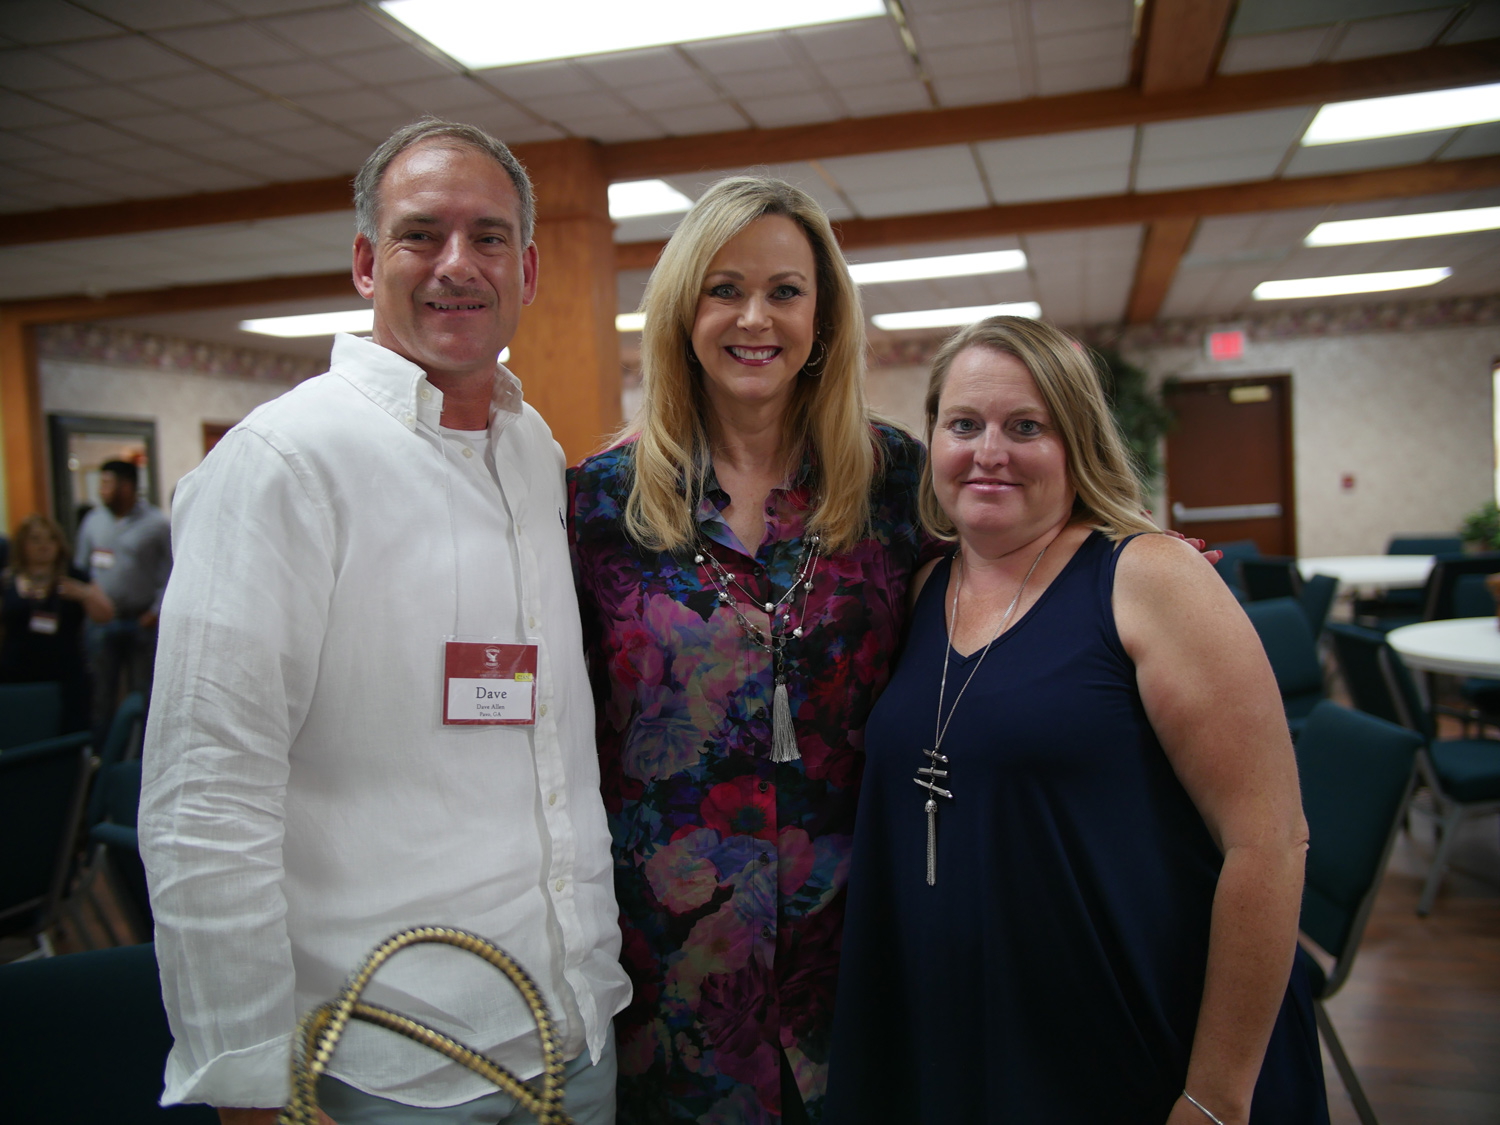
(125, 545)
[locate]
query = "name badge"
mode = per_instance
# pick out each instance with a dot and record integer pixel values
(101, 560)
(43, 622)
(488, 684)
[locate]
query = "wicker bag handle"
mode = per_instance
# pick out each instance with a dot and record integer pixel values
(318, 1031)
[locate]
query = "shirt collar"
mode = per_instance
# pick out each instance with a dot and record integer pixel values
(400, 388)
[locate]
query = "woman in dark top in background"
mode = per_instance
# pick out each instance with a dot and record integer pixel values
(43, 603)
(1078, 858)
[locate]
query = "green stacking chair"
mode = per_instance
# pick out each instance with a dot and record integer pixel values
(29, 713)
(1316, 599)
(1357, 650)
(1270, 577)
(1357, 774)
(41, 799)
(85, 1041)
(1293, 654)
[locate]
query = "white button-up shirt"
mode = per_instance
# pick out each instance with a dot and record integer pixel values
(301, 798)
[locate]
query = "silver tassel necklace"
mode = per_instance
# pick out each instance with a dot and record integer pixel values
(783, 734)
(927, 776)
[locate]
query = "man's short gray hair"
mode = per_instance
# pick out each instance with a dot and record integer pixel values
(451, 133)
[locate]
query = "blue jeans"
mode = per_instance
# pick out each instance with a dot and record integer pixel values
(589, 1099)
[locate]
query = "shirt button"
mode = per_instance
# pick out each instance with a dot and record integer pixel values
(424, 394)
(543, 708)
(409, 418)
(531, 621)
(468, 452)
(760, 712)
(765, 858)
(559, 886)
(764, 785)
(765, 932)
(552, 800)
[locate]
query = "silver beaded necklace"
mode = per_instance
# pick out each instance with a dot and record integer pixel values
(783, 734)
(927, 776)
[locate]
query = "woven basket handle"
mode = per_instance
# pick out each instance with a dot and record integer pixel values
(320, 1029)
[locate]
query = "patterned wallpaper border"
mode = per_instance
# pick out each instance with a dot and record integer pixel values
(122, 347)
(1288, 324)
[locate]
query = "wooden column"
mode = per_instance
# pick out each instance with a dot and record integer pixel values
(21, 420)
(566, 351)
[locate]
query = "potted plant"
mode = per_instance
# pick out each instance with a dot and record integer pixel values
(1481, 528)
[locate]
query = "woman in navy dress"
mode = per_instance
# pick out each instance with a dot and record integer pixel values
(1078, 857)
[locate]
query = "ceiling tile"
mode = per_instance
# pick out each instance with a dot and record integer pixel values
(394, 64)
(794, 109)
(199, 90)
(1036, 156)
(337, 31)
(172, 128)
(149, 158)
(961, 28)
(979, 89)
(291, 79)
(529, 130)
(1265, 131)
(972, 58)
(618, 127)
(1052, 17)
(135, 185)
(15, 146)
(892, 97)
(229, 45)
(440, 95)
(1239, 168)
(84, 137)
(102, 101)
(1317, 160)
(889, 67)
(679, 92)
(308, 140)
(65, 166)
(1082, 47)
(1476, 140)
(510, 124)
(46, 21)
(712, 118)
(1275, 51)
(256, 117)
(905, 183)
(157, 15)
(1071, 78)
(541, 80)
(768, 84)
(638, 68)
(29, 70)
(742, 53)
(272, 7)
(1482, 22)
(1391, 34)
(127, 58)
(17, 111)
(569, 106)
(341, 105)
(60, 194)
(853, 39)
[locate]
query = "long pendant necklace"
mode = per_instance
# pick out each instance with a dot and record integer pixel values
(927, 776)
(783, 734)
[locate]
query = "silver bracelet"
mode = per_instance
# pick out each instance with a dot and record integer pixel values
(1206, 1111)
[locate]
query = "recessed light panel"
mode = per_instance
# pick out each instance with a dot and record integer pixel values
(485, 33)
(951, 265)
(635, 198)
(1346, 232)
(630, 322)
(312, 324)
(1404, 113)
(1348, 283)
(948, 318)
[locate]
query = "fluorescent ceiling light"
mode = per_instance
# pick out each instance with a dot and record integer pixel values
(1345, 232)
(645, 197)
(1404, 113)
(1348, 283)
(313, 324)
(953, 265)
(486, 33)
(630, 322)
(948, 318)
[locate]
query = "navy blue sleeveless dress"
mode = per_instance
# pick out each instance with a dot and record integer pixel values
(1053, 974)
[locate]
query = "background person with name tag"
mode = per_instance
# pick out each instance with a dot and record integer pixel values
(44, 602)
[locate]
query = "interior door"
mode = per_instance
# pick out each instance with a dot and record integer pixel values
(1229, 461)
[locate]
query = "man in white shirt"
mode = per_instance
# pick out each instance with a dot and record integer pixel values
(357, 563)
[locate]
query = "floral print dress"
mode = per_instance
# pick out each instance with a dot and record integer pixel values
(731, 869)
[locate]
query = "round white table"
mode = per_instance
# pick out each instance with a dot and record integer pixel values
(1393, 572)
(1465, 646)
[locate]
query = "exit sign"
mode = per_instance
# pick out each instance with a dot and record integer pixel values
(1228, 344)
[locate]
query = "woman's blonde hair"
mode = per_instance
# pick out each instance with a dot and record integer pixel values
(1108, 495)
(19, 550)
(827, 415)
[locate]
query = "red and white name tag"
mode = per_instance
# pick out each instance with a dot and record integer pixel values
(43, 622)
(101, 559)
(488, 684)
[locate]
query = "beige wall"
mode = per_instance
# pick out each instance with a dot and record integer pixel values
(178, 403)
(1409, 414)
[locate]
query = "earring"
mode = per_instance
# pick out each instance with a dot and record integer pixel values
(816, 359)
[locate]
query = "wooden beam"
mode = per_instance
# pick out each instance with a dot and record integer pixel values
(1146, 207)
(1162, 250)
(1431, 68)
(1183, 40)
(1428, 69)
(21, 420)
(182, 298)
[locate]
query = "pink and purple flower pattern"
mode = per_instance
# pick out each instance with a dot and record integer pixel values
(731, 869)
